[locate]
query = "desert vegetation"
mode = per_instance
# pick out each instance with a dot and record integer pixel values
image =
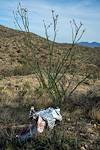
(38, 71)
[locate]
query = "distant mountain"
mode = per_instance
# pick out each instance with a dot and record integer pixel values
(92, 44)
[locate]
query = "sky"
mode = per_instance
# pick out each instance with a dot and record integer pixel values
(85, 11)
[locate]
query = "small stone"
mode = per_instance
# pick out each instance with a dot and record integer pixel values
(90, 130)
(83, 148)
(86, 146)
(95, 125)
(68, 119)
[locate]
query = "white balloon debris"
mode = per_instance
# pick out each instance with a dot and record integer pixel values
(50, 115)
(40, 120)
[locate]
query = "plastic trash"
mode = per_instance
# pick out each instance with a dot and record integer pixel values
(42, 118)
(41, 124)
(50, 115)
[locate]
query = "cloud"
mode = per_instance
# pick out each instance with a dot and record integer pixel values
(86, 11)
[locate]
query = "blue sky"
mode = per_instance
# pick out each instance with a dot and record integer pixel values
(86, 11)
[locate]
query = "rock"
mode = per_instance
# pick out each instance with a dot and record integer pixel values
(90, 130)
(95, 125)
(83, 148)
(68, 119)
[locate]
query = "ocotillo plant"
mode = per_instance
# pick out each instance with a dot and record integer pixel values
(51, 77)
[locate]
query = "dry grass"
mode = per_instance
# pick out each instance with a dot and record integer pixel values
(22, 90)
(25, 90)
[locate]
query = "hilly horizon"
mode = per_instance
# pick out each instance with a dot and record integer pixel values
(85, 43)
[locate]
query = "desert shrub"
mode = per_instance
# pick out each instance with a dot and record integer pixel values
(51, 77)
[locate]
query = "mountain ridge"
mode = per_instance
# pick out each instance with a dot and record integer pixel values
(90, 44)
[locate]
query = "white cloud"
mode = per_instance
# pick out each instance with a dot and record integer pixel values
(82, 11)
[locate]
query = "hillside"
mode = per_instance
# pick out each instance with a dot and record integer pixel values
(12, 52)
